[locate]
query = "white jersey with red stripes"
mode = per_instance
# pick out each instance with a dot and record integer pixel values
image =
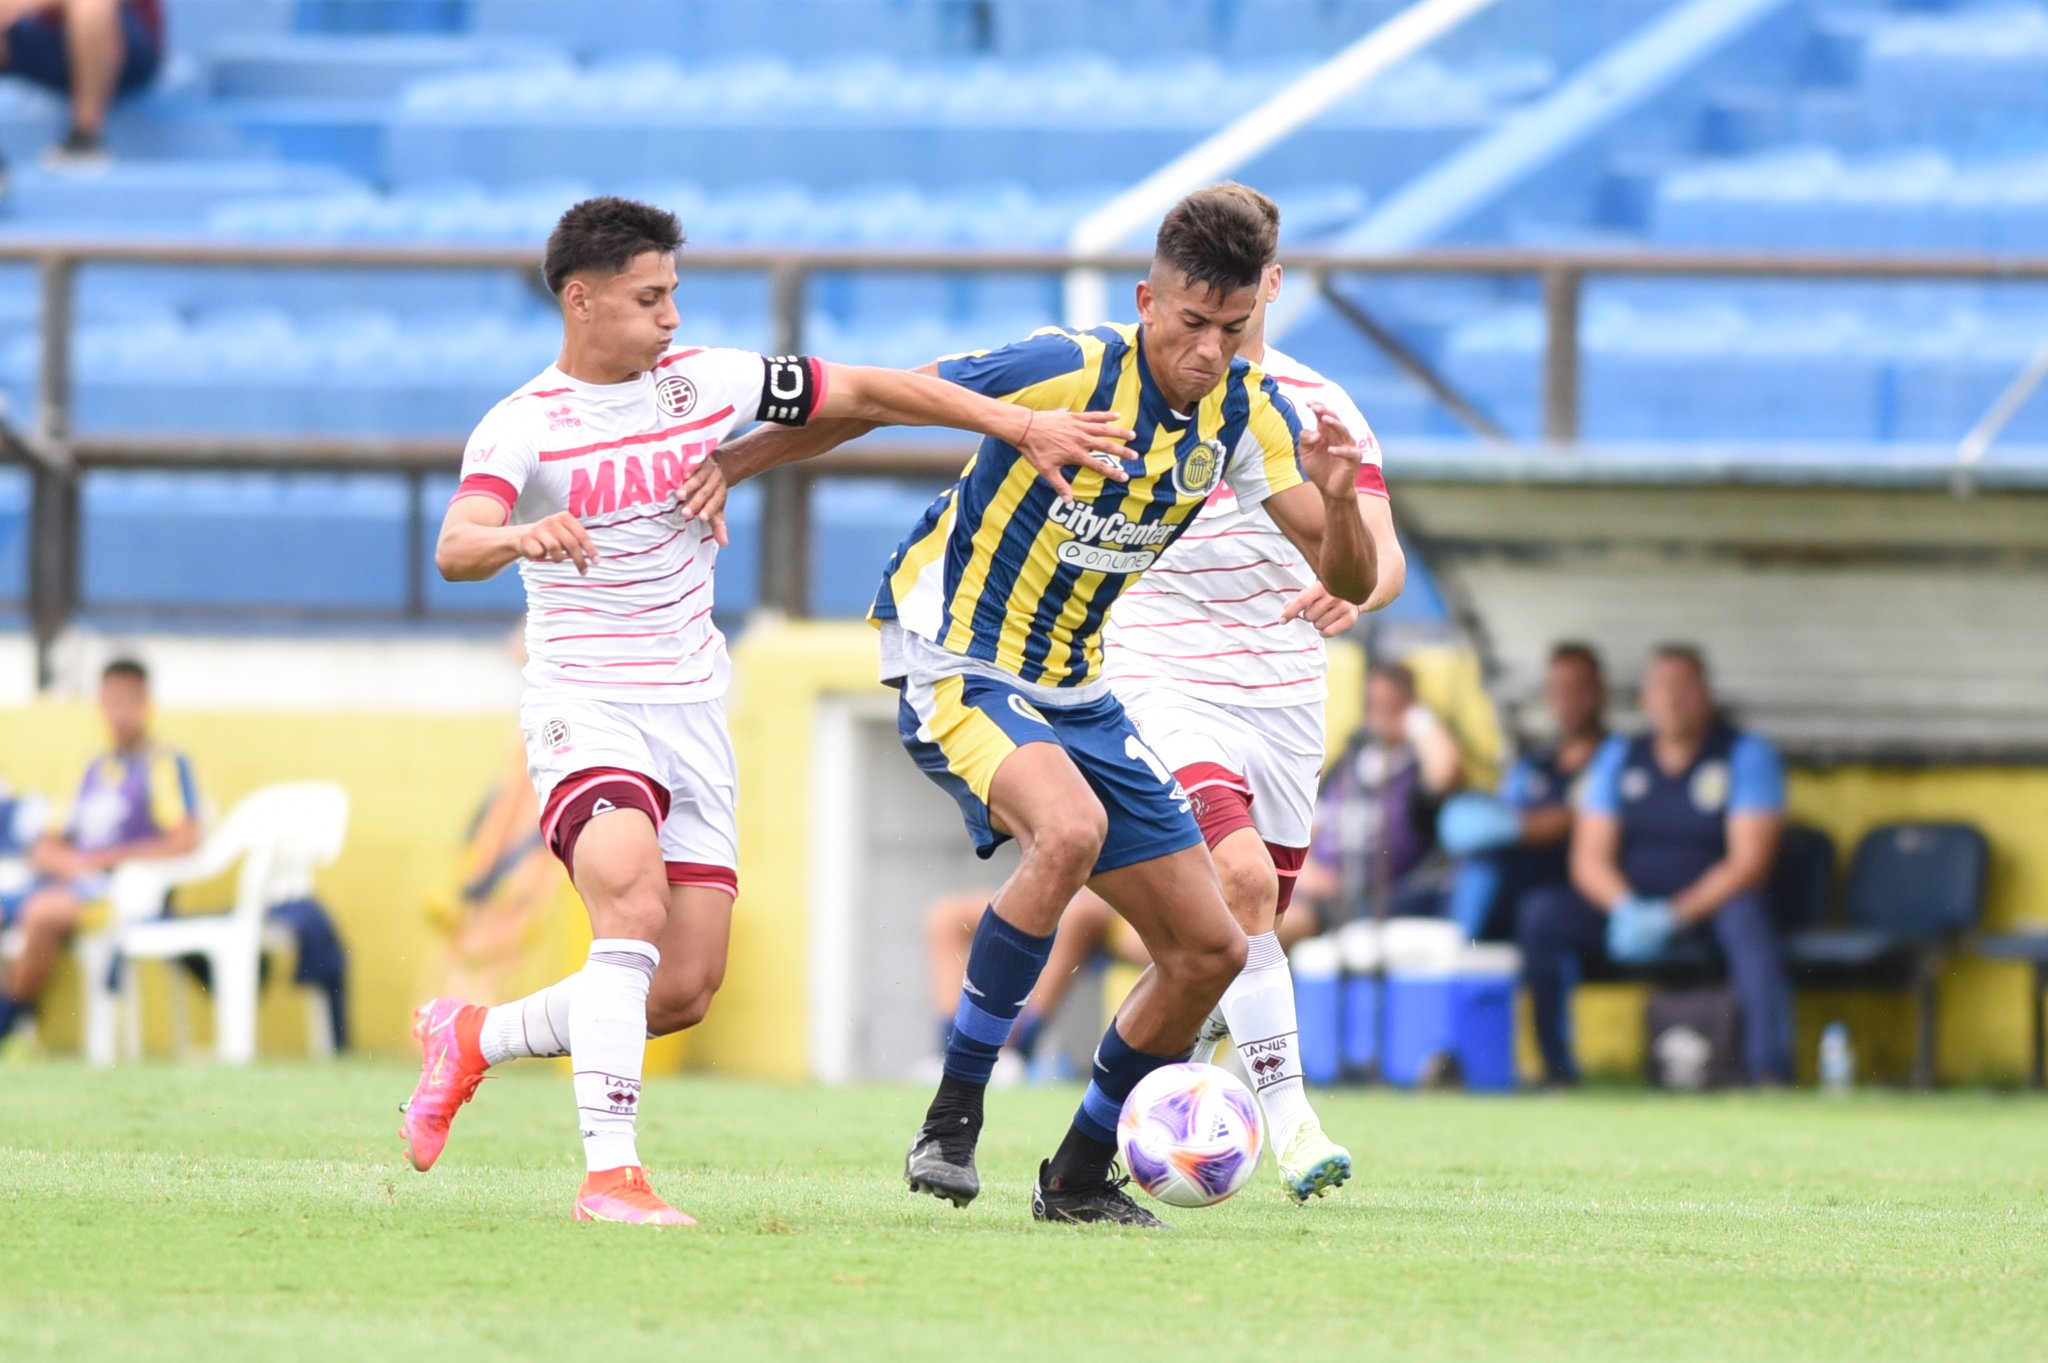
(638, 626)
(1205, 620)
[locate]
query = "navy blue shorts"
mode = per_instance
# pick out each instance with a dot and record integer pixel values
(37, 51)
(960, 728)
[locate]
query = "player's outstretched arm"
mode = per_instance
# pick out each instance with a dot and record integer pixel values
(766, 447)
(476, 543)
(1331, 614)
(1049, 441)
(1321, 516)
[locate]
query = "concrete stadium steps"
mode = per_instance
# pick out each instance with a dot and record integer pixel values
(1048, 123)
(1856, 609)
(373, 66)
(1127, 29)
(1698, 372)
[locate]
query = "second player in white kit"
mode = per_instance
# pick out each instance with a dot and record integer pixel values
(1218, 657)
(626, 672)
(597, 479)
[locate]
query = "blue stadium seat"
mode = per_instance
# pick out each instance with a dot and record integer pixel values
(1913, 890)
(379, 67)
(14, 494)
(859, 524)
(179, 194)
(186, 539)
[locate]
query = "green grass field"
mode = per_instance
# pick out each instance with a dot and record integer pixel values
(179, 1213)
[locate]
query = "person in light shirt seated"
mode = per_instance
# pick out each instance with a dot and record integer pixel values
(1372, 852)
(136, 800)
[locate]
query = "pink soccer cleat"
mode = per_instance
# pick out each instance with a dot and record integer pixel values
(623, 1195)
(451, 1066)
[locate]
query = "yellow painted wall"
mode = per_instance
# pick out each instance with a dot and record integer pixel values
(1983, 1010)
(414, 782)
(416, 779)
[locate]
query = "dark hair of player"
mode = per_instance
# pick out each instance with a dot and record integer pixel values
(125, 667)
(606, 234)
(1575, 651)
(1222, 237)
(1683, 653)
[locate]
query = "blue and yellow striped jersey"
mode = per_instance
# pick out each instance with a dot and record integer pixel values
(1000, 570)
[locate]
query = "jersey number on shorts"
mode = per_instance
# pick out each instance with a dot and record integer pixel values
(1135, 749)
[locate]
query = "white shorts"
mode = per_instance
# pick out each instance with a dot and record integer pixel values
(681, 750)
(1273, 754)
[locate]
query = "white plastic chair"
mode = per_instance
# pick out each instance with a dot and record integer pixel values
(280, 835)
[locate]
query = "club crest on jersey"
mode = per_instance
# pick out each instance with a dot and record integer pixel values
(1710, 786)
(1195, 476)
(675, 395)
(555, 733)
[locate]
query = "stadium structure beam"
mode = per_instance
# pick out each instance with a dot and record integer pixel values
(1270, 122)
(60, 458)
(1421, 370)
(785, 492)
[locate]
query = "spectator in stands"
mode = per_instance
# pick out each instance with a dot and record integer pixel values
(1373, 849)
(89, 50)
(138, 800)
(1517, 841)
(1676, 832)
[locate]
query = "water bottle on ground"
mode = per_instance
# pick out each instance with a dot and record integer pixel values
(1837, 1061)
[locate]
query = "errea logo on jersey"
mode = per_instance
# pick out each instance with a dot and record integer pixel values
(562, 418)
(1107, 544)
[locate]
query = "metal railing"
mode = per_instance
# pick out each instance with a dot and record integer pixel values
(58, 457)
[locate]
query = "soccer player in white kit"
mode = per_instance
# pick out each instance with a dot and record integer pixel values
(1218, 657)
(591, 478)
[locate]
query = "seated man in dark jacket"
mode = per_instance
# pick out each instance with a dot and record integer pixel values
(1676, 831)
(1516, 842)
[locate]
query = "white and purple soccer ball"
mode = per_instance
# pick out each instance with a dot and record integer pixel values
(1191, 1135)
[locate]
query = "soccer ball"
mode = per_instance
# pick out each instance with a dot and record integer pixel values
(1191, 1135)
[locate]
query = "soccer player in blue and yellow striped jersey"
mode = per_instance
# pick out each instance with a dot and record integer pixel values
(991, 618)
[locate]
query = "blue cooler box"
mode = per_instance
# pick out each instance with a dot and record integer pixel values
(1318, 1008)
(1461, 1005)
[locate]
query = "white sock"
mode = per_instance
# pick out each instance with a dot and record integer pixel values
(535, 1027)
(1259, 1005)
(608, 1045)
(1214, 1028)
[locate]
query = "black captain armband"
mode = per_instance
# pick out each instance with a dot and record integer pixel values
(791, 389)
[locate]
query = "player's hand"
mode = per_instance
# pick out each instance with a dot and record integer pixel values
(1330, 455)
(1053, 442)
(702, 496)
(559, 538)
(1331, 615)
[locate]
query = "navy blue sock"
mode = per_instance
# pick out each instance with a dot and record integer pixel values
(11, 1010)
(1118, 1068)
(1002, 966)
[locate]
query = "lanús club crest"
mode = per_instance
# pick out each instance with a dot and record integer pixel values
(675, 395)
(1196, 475)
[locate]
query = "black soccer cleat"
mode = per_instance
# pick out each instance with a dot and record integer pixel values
(941, 1161)
(1104, 1203)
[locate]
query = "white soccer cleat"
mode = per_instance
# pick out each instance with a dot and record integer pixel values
(1311, 1164)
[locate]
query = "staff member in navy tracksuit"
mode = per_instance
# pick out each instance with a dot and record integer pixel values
(1514, 843)
(1676, 831)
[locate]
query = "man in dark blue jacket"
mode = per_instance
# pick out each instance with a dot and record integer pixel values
(1676, 832)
